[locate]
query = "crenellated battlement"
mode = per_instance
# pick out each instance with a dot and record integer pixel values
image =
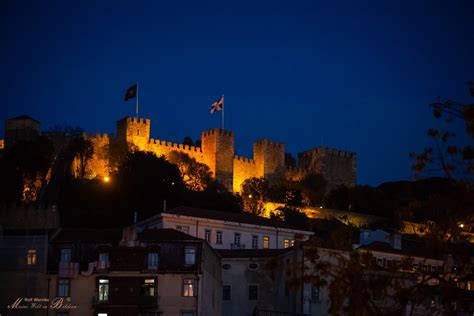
(244, 159)
(172, 146)
(218, 131)
(269, 143)
(138, 120)
(97, 136)
(331, 151)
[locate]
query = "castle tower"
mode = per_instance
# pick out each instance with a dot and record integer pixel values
(134, 131)
(21, 128)
(269, 158)
(338, 167)
(218, 148)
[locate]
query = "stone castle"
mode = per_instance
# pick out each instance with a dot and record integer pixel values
(218, 153)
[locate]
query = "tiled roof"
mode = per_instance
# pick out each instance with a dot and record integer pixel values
(87, 235)
(165, 234)
(241, 217)
(251, 253)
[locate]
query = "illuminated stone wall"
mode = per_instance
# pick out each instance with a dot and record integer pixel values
(218, 153)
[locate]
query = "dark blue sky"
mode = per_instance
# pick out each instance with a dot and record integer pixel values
(356, 76)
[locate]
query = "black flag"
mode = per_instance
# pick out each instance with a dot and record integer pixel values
(131, 92)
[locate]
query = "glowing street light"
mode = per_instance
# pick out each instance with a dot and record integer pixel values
(106, 179)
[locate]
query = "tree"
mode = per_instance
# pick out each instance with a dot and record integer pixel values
(25, 168)
(188, 141)
(197, 176)
(82, 150)
(254, 194)
(313, 189)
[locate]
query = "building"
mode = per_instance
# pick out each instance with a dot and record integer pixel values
(250, 285)
(21, 128)
(225, 230)
(23, 265)
(154, 272)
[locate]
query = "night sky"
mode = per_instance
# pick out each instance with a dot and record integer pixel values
(356, 76)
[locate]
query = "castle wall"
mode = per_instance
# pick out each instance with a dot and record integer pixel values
(218, 148)
(337, 167)
(159, 148)
(99, 164)
(244, 168)
(269, 158)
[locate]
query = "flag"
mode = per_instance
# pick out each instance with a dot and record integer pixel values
(131, 92)
(218, 105)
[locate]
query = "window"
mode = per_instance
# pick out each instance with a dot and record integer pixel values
(266, 242)
(188, 314)
(219, 238)
(189, 287)
(102, 314)
(31, 257)
(226, 294)
(315, 293)
(63, 287)
(253, 292)
(103, 260)
(380, 262)
(62, 313)
(183, 228)
(207, 235)
(190, 255)
(237, 239)
(103, 290)
(292, 242)
(153, 261)
(66, 254)
(254, 241)
(149, 287)
(286, 243)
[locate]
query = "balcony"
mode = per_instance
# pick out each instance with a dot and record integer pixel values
(237, 246)
(144, 301)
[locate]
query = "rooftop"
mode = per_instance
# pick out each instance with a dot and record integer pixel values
(251, 253)
(23, 117)
(241, 217)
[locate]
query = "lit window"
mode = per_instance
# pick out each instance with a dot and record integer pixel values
(190, 255)
(153, 261)
(103, 290)
(66, 255)
(103, 260)
(31, 257)
(292, 242)
(149, 287)
(286, 243)
(226, 294)
(102, 314)
(207, 235)
(189, 287)
(237, 239)
(266, 242)
(253, 292)
(63, 287)
(219, 238)
(254, 241)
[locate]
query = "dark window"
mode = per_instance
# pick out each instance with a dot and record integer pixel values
(207, 235)
(62, 313)
(226, 266)
(152, 260)
(190, 255)
(254, 241)
(188, 314)
(237, 239)
(66, 254)
(315, 293)
(63, 287)
(219, 238)
(253, 292)
(226, 294)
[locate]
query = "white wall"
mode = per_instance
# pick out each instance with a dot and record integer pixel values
(198, 226)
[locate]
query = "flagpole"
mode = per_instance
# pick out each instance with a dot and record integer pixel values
(223, 107)
(137, 101)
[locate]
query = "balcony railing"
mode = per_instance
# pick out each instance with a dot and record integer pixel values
(237, 246)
